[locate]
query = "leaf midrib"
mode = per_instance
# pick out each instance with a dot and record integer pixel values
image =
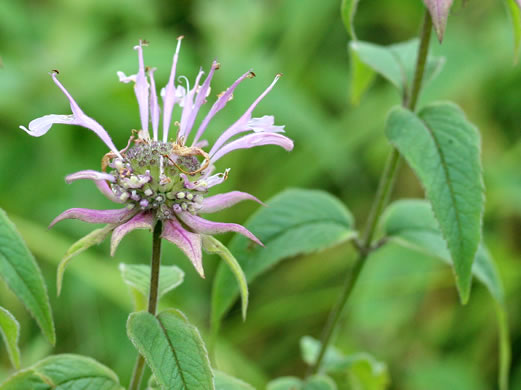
(177, 362)
(452, 194)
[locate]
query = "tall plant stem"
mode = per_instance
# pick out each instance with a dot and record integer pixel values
(137, 373)
(382, 195)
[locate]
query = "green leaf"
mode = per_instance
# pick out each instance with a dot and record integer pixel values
(505, 353)
(214, 246)
(396, 63)
(348, 11)
(515, 15)
(361, 74)
(285, 383)
(364, 371)
(295, 222)
(411, 223)
(10, 331)
(93, 238)
(443, 149)
(152, 383)
(173, 349)
(137, 277)
(333, 360)
(224, 381)
(64, 372)
(319, 382)
(21, 273)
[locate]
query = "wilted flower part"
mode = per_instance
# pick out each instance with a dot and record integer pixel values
(162, 179)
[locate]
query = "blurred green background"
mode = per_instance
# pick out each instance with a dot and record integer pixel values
(405, 310)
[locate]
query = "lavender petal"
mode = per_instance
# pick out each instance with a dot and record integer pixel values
(202, 94)
(219, 104)
(141, 89)
(219, 202)
(201, 225)
(252, 140)
(154, 106)
(90, 175)
(139, 221)
(99, 178)
(42, 125)
(105, 189)
(216, 179)
(241, 125)
(170, 93)
(189, 243)
(188, 103)
(94, 216)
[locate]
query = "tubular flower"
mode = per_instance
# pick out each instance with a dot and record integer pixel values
(167, 179)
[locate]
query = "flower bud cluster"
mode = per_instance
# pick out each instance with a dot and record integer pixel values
(149, 177)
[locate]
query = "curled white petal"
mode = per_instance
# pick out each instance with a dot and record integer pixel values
(40, 126)
(265, 123)
(126, 79)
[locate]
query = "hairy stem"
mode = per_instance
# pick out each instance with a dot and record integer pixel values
(384, 190)
(137, 373)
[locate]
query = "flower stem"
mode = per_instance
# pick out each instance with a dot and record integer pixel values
(137, 373)
(384, 190)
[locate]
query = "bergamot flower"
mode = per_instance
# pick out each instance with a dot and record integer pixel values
(167, 178)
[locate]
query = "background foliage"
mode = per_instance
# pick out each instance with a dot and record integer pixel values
(405, 311)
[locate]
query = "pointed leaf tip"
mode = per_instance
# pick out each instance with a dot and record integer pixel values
(439, 10)
(214, 246)
(19, 270)
(10, 332)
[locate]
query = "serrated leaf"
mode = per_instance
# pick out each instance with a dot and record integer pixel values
(396, 63)
(348, 12)
(411, 223)
(285, 383)
(137, 277)
(295, 222)
(365, 372)
(64, 372)
(515, 16)
(224, 381)
(214, 246)
(93, 238)
(10, 331)
(19, 270)
(439, 10)
(443, 149)
(173, 349)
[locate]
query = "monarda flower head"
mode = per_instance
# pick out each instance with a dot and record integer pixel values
(167, 179)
